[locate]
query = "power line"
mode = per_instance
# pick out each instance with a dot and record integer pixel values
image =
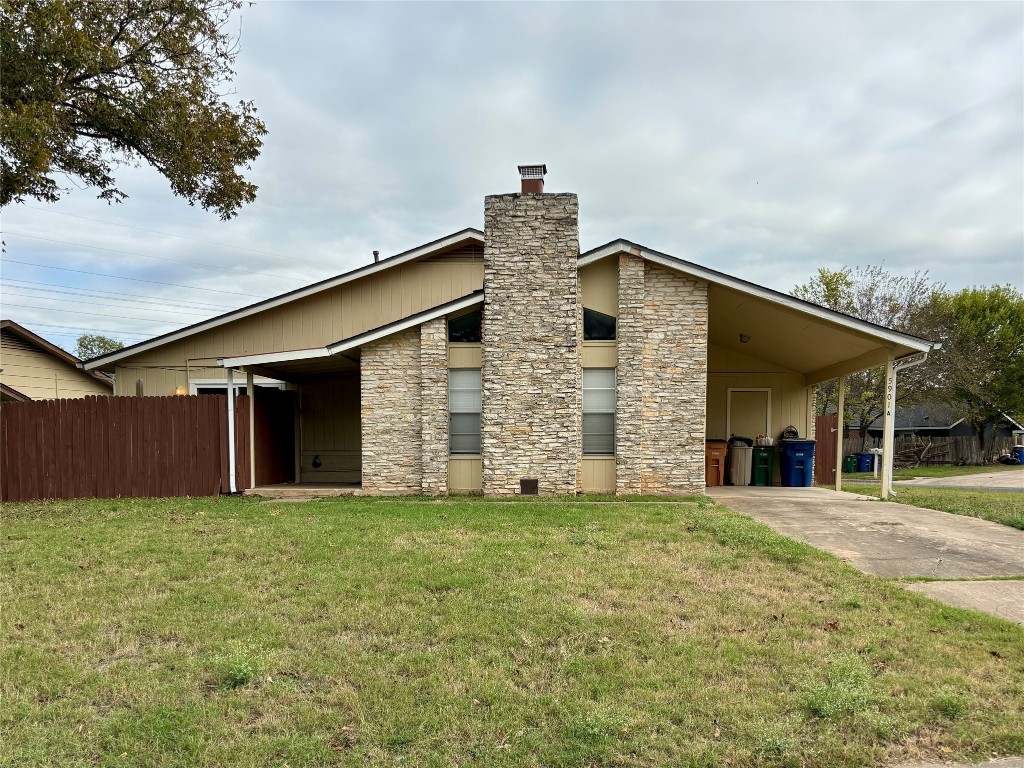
(89, 330)
(191, 312)
(93, 314)
(134, 279)
(183, 237)
(97, 293)
(159, 258)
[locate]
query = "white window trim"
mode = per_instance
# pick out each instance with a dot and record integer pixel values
(259, 381)
(728, 409)
(613, 412)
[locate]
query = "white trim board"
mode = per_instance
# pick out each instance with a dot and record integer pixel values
(285, 298)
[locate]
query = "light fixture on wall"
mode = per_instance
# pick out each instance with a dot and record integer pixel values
(744, 338)
(179, 390)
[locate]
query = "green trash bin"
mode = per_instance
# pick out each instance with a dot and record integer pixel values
(763, 461)
(849, 464)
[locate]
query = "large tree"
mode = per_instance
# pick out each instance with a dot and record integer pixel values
(981, 362)
(92, 345)
(90, 84)
(902, 302)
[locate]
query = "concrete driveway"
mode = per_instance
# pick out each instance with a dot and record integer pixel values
(897, 540)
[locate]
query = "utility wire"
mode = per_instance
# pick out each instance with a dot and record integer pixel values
(183, 237)
(159, 258)
(94, 314)
(90, 330)
(134, 279)
(192, 312)
(97, 293)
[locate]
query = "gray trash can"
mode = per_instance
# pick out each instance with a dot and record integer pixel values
(740, 464)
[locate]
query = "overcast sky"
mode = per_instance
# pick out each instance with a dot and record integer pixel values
(763, 140)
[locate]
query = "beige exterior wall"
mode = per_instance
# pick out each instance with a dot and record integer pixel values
(464, 474)
(330, 316)
(40, 375)
(599, 287)
(598, 474)
(330, 428)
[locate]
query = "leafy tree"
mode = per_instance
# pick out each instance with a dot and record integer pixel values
(982, 357)
(904, 303)
(89, 86)
(92, 345)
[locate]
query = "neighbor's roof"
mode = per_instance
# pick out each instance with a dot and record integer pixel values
(44, 345)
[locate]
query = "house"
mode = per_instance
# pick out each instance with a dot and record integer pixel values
(937, 420)
(505, 361)
(31, 368)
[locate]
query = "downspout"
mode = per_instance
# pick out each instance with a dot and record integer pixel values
(899, 365)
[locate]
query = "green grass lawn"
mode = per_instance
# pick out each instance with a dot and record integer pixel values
(909, 473)
(369, 632)
(998, 506)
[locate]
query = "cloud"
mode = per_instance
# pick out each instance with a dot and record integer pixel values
(764, 140)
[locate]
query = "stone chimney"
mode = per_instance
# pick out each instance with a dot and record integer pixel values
(530, 373)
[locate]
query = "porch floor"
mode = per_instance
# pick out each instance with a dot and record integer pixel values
(303, 490)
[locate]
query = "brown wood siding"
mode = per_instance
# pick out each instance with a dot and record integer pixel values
(825, 449)
(317, 320)
(106, 447)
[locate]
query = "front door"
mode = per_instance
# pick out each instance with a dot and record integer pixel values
(749, 412)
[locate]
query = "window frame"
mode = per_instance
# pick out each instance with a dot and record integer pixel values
(604, 412)
(479, 432)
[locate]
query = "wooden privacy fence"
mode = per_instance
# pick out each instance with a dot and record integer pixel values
(106, 447)
(924, 451)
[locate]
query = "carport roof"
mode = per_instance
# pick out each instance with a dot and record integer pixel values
(781, 329)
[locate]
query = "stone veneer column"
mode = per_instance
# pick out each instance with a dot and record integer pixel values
(531, 343)
(434, 396)
(675, 344)
(629, 376)
(392, 419)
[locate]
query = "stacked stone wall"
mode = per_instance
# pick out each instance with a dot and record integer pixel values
(675, 319)
(629, 378)
(531, 413)
(434, 396)
(392, 415)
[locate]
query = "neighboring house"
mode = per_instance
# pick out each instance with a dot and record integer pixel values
(31, 368)
(505, 361)
(937, 420)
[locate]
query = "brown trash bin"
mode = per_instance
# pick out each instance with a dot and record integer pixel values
(714, 461)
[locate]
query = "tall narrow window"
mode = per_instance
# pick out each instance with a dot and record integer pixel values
(598, 411)
(464, 412)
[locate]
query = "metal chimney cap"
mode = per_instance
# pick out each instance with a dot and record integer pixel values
(533, 171)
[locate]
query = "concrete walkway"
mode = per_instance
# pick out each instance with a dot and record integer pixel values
(1004, 762)
(897, 540)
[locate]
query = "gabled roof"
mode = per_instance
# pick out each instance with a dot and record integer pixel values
(45, 346)
(759, 291)
(12, 394)
(422, 251)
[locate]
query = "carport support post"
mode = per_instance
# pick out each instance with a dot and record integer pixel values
(231, 432)
(250, 390)
(840, 413)
(888, 425)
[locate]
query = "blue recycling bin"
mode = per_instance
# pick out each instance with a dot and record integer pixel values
(1019, 450)
(796, 460)
(865, 462)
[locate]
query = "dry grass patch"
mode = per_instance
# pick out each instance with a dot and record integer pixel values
(362, 631)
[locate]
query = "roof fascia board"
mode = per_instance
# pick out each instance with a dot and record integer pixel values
(354, 341)
(775, 297)
(285, 298)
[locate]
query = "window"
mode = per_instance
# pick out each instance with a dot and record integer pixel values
(220, 386)
(464, 412)
(598, 326)
(598, 411)
(465, 327)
